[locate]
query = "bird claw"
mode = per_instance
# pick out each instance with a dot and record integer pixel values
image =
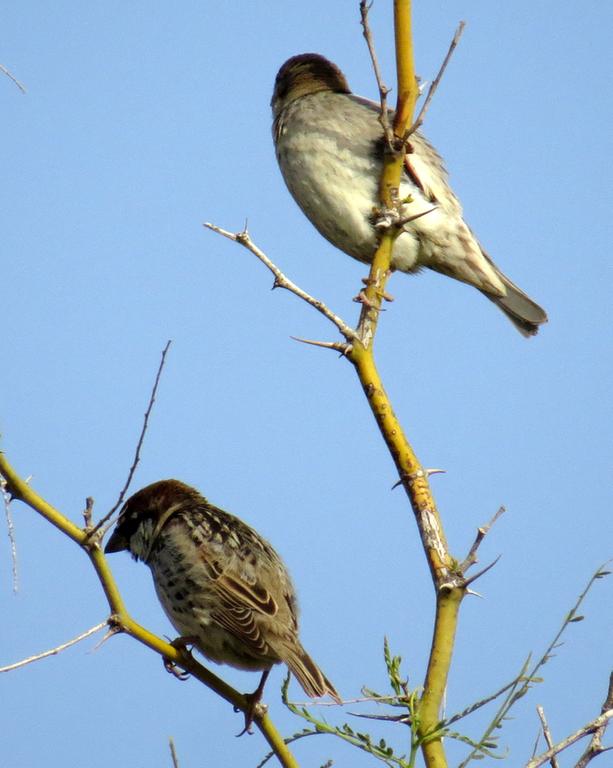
(171, 667)
(362, 298)
(180, 643)
(255, 708)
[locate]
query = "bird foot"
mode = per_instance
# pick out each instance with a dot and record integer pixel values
(255, 709)
(180, 643)
(255, 706)
(368, 281)
(362, 298)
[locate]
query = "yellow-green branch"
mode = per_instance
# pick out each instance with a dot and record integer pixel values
(448, 581)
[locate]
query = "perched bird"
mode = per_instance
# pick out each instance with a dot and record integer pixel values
(330, 146)
(222, 586)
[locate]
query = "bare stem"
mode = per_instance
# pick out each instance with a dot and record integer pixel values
(383, 89)
(596, 725)
(56, 650)
(139, 444)
(482, 531)
(173, 753)
(11, 533)
(12, 77)
(595, 747)
(436, 82)
(547, 735)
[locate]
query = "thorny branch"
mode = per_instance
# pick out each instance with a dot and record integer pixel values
(281, 281)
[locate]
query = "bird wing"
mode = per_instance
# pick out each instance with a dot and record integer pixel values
(422, 164)
(241, 602)
(426, 169)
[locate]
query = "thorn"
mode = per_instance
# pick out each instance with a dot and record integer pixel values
(475, 594)
(112, 631)
(344, 349)
(408, 219)
(421, 473)
(481, 572)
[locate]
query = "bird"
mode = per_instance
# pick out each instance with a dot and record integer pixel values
(330, 145)
(222, 585)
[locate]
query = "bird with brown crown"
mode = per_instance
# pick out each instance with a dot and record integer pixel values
(223, 587)
(330, 147)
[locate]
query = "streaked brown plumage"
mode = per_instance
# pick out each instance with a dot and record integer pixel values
(329, 145)
(220, 583)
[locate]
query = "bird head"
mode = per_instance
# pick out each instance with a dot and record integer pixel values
(144, 514)
(305, 74)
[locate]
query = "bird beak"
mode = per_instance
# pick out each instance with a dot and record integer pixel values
(117, 542)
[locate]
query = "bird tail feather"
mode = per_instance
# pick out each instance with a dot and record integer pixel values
(309, 675)
(525, 314)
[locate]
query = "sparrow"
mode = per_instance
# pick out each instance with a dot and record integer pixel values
(223, 587)
(330, 146)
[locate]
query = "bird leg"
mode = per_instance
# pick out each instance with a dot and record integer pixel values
(180, 643)
(254, 704)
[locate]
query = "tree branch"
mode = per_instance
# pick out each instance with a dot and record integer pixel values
(597, 725)
(436, 82)
(56, 650)
(12, 77)
(139, 445)
(281, 281)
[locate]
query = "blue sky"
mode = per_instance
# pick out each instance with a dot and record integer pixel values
(141, 121)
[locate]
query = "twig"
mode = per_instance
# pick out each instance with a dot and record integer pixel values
(471, 557)
(383, 89)
(598, 724)
(488, 699)
(360, 700)
(54, 651)
(529, 677)
(595, 746)
(139, 445)
(435, 83)
(88, 512)
(547, 734)
(281, 281)
(173, 753)
(11, 533)
(13, 78)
